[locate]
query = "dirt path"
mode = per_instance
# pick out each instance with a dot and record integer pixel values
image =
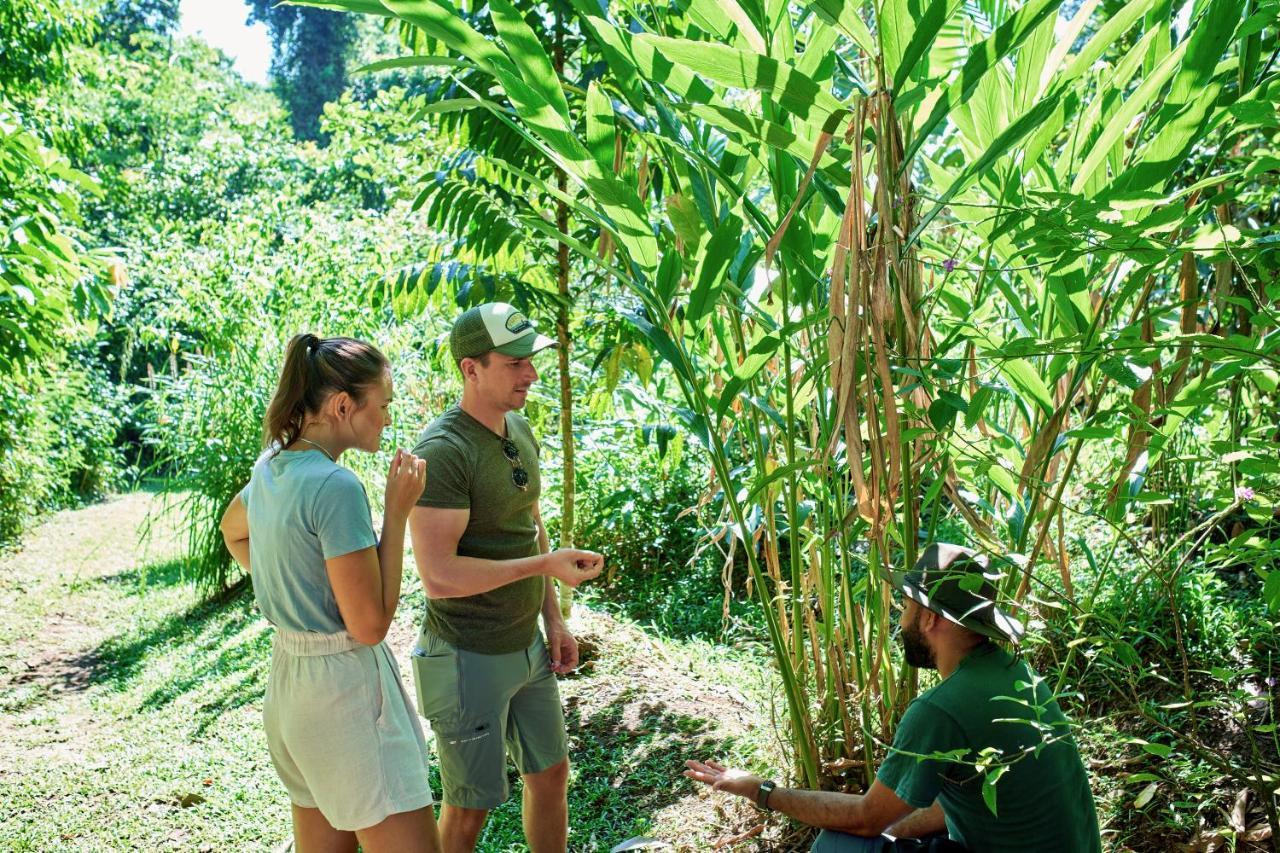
(131, 710)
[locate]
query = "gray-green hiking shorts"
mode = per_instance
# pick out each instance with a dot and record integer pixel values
(483, 706)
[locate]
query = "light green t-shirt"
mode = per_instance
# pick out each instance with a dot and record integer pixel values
(303, 509)
(466, 469)
(1043, 801)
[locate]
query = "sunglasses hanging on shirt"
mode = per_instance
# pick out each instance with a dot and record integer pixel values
(519, 476)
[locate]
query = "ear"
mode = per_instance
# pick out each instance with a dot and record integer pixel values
(928, 619)
(341, 405)
(468, 369)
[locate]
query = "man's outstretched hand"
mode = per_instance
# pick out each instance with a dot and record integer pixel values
(723, 778)
(572, 566)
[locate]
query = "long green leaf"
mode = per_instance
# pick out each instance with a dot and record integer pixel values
(526, 51)
(439, 19)
(927, 28)
(741, 69)
(1030, 63)
(601, 128)
(411, 62)
(1106, 36)
(843, 14)
(774, 135)
(712, 268)
(620, 201)
(985, 56)
(363, 7)
(724, 17)
(1192, 95)
(1115, 128)
(634, 61)
(1002, 144)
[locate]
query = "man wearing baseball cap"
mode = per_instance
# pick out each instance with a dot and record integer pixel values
(485, 677)
(989, 708)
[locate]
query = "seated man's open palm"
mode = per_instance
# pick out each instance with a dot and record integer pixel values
(723, 778)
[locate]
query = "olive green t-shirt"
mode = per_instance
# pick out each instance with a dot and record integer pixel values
(1043, 802)
(466, 469)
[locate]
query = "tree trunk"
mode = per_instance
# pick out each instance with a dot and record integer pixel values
(562, 335)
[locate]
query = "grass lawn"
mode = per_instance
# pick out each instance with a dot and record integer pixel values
(132, 710)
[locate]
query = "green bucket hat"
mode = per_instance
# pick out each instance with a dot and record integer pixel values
(495, 327)
(958, 584)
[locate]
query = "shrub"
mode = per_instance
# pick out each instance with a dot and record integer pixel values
(57, 442)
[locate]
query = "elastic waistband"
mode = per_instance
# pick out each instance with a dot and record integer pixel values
(310, 644)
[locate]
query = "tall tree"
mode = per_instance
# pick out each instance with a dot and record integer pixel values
(121, 19)
(309, 59)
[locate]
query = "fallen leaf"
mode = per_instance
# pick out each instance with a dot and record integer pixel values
(1239, 810)
(1146, 795)
(1207, 841)
(640, 842)
(1261, 832)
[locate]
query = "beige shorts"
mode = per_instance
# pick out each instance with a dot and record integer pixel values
(342, 730)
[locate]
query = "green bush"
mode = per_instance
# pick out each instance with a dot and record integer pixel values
(57, 442)
(205, 428)
(639, 508)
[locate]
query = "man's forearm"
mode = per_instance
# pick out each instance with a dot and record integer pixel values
(550, 592)
(550, 603)
(459, 576)
(920, 823)
(823, 809)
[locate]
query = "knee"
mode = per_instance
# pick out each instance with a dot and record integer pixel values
(468, 820)
(555, 778)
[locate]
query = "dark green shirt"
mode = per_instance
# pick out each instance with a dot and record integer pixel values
(466, 469)
(1043, 802)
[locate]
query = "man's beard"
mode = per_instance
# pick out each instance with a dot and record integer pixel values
(916, 647)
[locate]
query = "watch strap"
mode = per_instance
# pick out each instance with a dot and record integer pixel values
(762, 795)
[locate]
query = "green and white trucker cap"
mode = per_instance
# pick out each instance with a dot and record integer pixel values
(495, 327)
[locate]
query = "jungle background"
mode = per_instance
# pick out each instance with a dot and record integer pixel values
(832, 280)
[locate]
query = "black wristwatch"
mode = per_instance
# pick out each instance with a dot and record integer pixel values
(762, 795)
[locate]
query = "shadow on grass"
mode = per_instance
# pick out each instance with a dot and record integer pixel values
(214, 655)
(164, 574)
(627, 758)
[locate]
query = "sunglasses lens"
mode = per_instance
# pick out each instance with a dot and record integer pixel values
(510, 450)
(520, 477)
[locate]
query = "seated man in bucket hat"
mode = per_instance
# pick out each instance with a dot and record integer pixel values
(983, 761)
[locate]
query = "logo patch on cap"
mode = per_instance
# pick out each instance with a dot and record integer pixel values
(517, 323)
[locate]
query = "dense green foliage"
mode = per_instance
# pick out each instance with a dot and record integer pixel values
(919, 269)
(842, 280)
(309, 59)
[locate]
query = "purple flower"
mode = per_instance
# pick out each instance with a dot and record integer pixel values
(1244, 493)
(949, 264)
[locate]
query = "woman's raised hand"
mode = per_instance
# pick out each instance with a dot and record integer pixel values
(406, 479)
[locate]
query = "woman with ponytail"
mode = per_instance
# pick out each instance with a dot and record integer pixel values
(341, 729)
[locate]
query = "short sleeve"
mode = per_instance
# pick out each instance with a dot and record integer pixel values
(244, 494)
(448, 475)
(924, 730)
(340, 515)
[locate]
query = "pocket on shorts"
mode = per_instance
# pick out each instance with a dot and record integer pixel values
(436, 677)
